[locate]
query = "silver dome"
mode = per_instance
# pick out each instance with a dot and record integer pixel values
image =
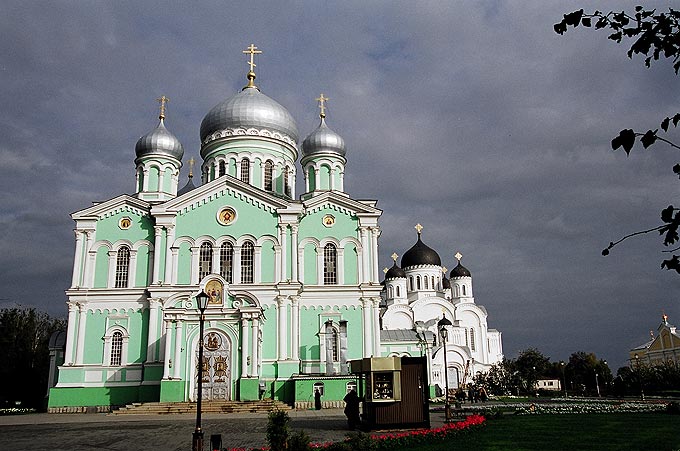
(323, 140)
(249, 112)
(159, 141)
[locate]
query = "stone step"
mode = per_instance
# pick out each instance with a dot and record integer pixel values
(161, 408)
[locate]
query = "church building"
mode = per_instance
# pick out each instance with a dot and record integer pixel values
(293, 279)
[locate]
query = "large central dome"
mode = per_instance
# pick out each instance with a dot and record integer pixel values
(249, 113)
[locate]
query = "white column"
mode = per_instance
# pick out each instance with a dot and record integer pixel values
(375, 232)
(244, 347)
(71, 336)
(283, 257)
(282, 325)
(294, 252)
(236, 265)
(152, 338)
(169, 258)
(137, 187)
(145, 186)
(80, 344)
(167, 338)
(366, 310)
(132, 269)
(194, 264)
(295, 327)
(376, 327)
(341, 266)
(255, 330)
(215, 260)
(158, 236)
(90, 258)
(342, 181)
(174, 261)
(257, 262)
(77, 259)
(366, 253)
(304, 176)
(111, 279)
(161, 179)
(178, 350)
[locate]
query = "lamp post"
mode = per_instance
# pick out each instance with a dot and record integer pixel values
(597, 386)
(197, 443)
(441, 325)
(639, 375)
(564, 379)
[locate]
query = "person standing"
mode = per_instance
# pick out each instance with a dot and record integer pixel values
(317, 399)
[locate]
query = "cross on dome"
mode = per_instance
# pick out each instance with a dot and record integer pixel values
(385, 270)
(322, 105)
(163, 101)
(394, 256)
(444, 269)
(252, 51)
(419, 228)
(458, 256)
(191, 167)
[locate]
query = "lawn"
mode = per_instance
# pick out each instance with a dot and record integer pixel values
(612, 431)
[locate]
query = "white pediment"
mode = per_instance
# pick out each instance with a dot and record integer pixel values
(122, 203)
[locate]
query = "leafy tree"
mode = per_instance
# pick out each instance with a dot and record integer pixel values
(656, 36)
(500, 379)
(24, 355)
(531, 365)
(581, 369)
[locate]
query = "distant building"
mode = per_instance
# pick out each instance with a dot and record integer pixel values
(663, 347)
(549, 384)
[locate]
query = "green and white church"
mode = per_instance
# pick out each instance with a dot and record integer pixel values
(293, 280)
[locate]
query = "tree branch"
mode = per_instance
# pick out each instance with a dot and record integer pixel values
(605, 252)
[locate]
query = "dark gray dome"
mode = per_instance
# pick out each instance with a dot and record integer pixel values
(460, 271)
(420, 254)
(159, 141)
(249, 109)
(446, 283)
(323, 140)
(395, 272)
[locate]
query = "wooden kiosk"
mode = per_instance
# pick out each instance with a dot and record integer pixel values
(394, 391)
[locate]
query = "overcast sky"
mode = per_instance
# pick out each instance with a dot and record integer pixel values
(472, 118)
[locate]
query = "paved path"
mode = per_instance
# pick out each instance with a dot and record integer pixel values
(71, 432)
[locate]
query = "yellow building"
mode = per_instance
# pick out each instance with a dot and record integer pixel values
(664, 346)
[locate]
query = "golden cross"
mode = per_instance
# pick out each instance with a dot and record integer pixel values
(651, 334)
(419, 228)
(458, 256)
(394, 257)
(191, 167)
(252, 50)
(162, 100)
(385, 270)
(665, 317)
(322, 104)
(444, 269)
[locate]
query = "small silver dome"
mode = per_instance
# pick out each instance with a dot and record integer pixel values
(323, 140)
(249, 109)
(159, 141)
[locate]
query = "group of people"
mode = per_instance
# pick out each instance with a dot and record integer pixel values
(472, 394)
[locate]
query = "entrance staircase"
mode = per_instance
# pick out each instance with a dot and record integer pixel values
(226, 407)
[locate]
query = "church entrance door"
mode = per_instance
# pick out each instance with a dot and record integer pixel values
(215, 368)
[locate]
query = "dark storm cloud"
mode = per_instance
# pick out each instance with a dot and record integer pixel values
(473, 118)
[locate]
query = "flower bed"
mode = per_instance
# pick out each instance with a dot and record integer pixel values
(591, 407)
(16, 411)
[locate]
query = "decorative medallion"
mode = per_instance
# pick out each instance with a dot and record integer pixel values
(212, 341)
(214, 290)
(226, 216)
(125, 223)
(328, 220)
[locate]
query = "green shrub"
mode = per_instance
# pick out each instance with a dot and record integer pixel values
(299, 441)
(493, 413)
(361, 442)
(277, 430)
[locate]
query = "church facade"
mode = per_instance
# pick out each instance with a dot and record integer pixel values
(293, 280)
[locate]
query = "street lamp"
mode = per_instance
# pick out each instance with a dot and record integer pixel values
(597, 385)
(564, 379)
(639, 374)
(443, 333)
(202, 302)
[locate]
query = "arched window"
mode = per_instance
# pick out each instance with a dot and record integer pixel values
(247, 262)
(335, 345)
(122, 267)
(223, 168)
(427, 283)
(245, 170)
(418, 282)
(226, 261)
(318, 386)
(463, 288)
(286, 182)
(390, 293)
(330, 257)
(410, 283)
(204, 260)
(472, 339)
(116, 349)
(433, 285)
(268, 175)
(398, 293)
